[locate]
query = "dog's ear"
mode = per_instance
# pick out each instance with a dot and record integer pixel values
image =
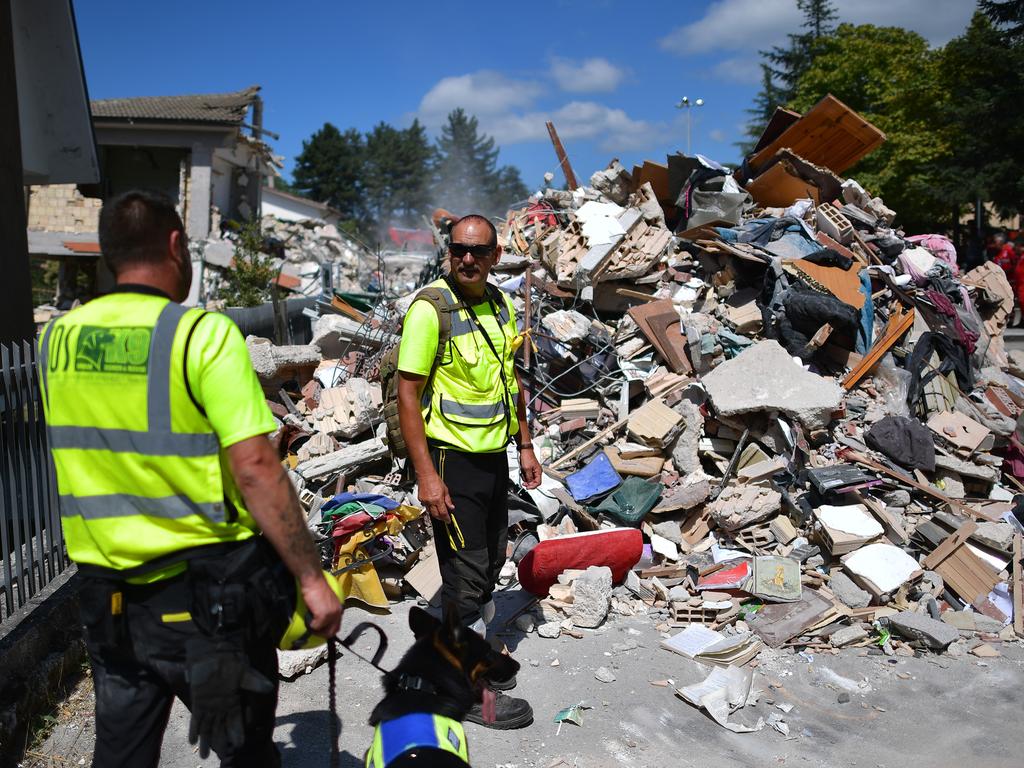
(421, 623)
(452, 625)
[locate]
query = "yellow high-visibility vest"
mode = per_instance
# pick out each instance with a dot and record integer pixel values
(139, 468)
(467, 405)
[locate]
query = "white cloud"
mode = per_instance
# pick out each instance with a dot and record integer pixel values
(748, 26)
(506, 109)
(482, 93)
(588, 76)
(717, 134)
(738, 69)
(611, 127)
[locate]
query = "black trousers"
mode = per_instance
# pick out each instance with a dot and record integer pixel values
(138, 674)
(471, 548)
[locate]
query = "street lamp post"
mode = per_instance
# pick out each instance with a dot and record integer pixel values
(686, 104)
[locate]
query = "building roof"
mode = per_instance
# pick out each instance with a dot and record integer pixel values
(299, 199)
(224, 108)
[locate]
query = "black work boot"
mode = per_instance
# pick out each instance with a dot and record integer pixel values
(509, 713)
(502, 685)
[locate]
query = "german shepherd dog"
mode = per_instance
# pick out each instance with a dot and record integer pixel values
(444, 673)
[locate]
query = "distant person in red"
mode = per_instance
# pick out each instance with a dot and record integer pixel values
(1017, 281)
(1005, 256)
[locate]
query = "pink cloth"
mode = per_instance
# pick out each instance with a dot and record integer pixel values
(941, 247)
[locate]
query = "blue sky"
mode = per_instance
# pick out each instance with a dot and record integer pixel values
(608, 72)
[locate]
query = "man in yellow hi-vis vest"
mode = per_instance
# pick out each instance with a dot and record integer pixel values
(158, 429)
(457, 420)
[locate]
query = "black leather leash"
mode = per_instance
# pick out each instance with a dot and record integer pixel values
(332, 700)
(332, 677)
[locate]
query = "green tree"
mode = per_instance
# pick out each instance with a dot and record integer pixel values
(783, 66)
(247, 281)
(983, 74)
(508, 188)
(330, 169)
(1008, 14)
(466, 177)
(412, 188)
(397, 176)
(891, 77)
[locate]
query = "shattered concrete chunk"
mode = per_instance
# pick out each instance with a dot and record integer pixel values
(592, 594)
(897, 498)
(998, 535)
(669, 529)
(933, 634)
(847, 635)
(291, 664)
(271, 361)
(740, 506)
(970, 621)
(549, 629)
(684, 452)
(343, 460)
(765, 378)
(844, 588)
(567, 325)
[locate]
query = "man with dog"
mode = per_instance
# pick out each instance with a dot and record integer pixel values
(158, 429)
(457, 418)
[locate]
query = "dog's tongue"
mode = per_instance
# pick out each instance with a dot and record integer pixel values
(487, 705)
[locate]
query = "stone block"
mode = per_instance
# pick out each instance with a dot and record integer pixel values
(765, 378)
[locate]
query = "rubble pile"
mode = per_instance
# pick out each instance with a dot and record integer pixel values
(311, 257)
(808, 415)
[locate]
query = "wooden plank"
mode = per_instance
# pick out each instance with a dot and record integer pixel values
(1018, 586)
(954, 504)
(947, 547)
(829, 134)
(563, 158)
(899, 324)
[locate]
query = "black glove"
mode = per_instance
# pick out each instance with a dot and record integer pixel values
(218, 673)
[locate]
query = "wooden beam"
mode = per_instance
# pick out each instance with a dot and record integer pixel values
(563, 159)
(1018, 586)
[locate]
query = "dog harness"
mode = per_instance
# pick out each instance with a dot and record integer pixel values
(420, 730)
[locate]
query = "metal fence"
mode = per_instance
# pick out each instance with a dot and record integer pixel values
(31, 545)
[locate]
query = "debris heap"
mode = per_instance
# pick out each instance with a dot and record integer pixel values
(790, 423)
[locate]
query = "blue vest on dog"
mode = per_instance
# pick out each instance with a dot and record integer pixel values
(394, 738)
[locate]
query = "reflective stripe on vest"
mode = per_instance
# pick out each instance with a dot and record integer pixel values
(156, 441)
(422, 730)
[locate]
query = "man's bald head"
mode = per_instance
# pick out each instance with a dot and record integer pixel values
(475, 218)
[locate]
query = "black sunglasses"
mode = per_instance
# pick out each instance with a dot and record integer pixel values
(459, 250)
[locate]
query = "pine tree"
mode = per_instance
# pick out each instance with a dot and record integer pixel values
(784, 65)
(411, 199)
(465, 164)
(330, 169)
(1008, 14)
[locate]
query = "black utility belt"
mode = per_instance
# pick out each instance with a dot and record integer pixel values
(229, 589)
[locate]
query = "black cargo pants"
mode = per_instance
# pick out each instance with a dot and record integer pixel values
(140, 668)
(471, 548)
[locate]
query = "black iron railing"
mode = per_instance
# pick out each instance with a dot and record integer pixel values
(31, 545)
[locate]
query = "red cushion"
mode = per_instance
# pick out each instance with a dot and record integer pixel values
(618, 548)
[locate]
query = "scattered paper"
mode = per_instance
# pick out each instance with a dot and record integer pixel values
(693, 640)
(573, 714)
(721, 693)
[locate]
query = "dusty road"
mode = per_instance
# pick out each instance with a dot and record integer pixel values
(931, 711)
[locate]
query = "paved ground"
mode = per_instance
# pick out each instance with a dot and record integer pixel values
(932, 711)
